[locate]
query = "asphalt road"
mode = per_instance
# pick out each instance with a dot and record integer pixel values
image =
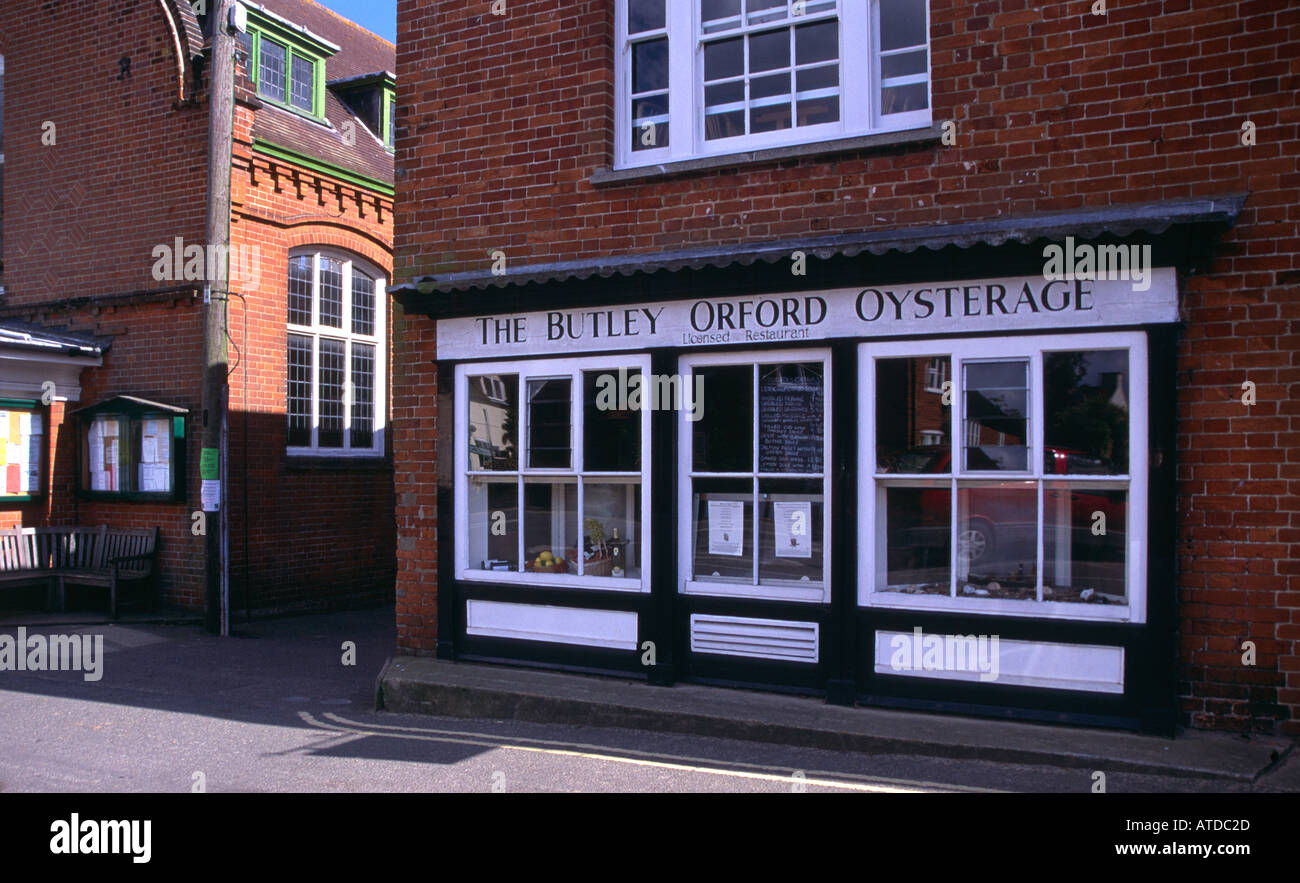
(276, 709)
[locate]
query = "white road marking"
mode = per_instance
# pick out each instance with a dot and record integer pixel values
(763, 772)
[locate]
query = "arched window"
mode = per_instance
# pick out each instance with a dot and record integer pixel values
(336, 355)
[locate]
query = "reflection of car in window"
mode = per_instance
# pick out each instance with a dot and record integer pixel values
(998, 529)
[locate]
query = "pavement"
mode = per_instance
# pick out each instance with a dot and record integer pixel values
(252, 708)
(457, 689)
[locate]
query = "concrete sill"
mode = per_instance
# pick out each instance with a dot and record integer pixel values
(299, 464)
(605, 177)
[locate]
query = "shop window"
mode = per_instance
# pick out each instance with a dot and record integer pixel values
(723, 76)
(1035, 507)
(551, 470)
(335, 373)
(132, 449)
(753, 476)
(22, 449)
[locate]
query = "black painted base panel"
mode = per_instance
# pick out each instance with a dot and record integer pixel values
(1001, 712)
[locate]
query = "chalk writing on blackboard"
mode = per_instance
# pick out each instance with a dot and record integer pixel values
(791, 431)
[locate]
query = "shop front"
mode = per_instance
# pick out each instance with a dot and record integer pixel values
(949, 492)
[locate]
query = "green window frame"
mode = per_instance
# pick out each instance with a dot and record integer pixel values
(294, 56)
(390, 119)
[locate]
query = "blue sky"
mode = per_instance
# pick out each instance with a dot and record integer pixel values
(378, 16)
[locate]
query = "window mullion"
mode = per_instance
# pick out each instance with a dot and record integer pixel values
(345, 320)
(685, 76)
(315, 407)
(857, 69)
(347, 394)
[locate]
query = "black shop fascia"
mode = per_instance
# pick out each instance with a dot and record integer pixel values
(921, 474)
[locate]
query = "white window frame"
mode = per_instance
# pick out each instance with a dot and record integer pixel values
(549, 369)
(936, 373)
(686, 473)
(316, 331)
(1032, 348)
(859, 87)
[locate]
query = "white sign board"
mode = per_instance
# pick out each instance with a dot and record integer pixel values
(1020, 303)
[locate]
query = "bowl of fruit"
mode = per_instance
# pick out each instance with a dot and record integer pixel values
(547, 562)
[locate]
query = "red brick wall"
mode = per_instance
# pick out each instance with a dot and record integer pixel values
(127, 173)
(415, 482)
(126, 170)
(502, 120)
(327, 532)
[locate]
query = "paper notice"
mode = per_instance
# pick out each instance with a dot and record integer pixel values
(726, 527)
(210, 494)
(15, 425)
(13, 479)
(149, 449)
(793, 528)
(153, 479)
(110, 451)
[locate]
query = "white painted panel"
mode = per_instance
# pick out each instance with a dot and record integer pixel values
(777, 639)
(1005, 304)
(1022, 663)
(615, 629)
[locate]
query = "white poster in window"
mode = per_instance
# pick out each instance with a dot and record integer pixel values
(148, 449)
(793, 529)
(726, 527)
(96, 455)
(154, 478)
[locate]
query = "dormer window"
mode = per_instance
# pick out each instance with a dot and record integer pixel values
(286, 75)
(390, 109)
(372, 98)
(302, 83)
(287, 64)
(270, 70)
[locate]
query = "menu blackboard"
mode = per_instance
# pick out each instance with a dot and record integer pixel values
(791, 430)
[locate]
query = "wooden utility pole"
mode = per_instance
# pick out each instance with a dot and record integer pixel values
(212, 463)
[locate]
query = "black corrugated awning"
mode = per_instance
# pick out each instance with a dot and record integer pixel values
(1152, 218)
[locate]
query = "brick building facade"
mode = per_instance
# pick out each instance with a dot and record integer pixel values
(105, 173)
(608, 157)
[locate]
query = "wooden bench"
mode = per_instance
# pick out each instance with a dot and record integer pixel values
(91, 556)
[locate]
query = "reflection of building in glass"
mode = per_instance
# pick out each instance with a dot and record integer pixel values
(491, 419)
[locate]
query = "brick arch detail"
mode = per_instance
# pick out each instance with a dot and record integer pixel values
(187, 37)
(342, 238)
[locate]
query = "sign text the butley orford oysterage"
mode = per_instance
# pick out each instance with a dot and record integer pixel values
(982, 305)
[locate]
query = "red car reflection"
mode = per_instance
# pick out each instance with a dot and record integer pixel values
(997, 525)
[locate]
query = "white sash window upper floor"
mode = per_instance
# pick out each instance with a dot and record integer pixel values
(712, 77)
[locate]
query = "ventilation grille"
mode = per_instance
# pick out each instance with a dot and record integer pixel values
(763, 638)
